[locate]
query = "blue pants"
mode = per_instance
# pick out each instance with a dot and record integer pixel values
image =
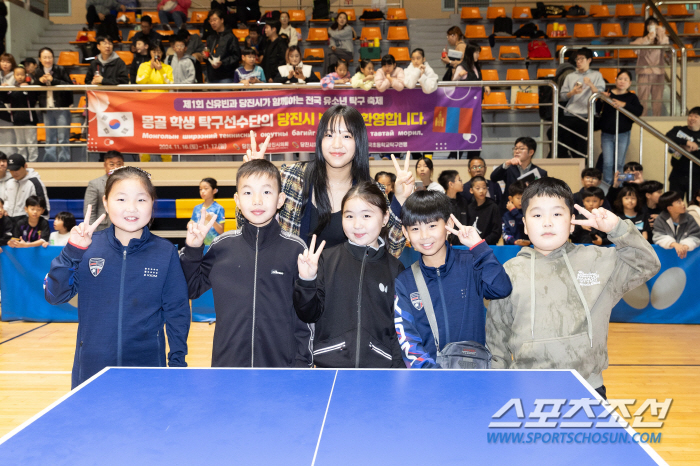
(607, 141)
(57, 135)
(177, 17)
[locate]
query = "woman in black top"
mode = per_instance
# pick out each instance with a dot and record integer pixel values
(622, 98)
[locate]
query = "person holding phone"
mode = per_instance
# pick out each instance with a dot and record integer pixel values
(651, 77)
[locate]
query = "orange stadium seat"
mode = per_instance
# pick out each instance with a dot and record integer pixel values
(497, 99)
(600, 11)
(131, 35)
(69, 59)
(526, 100)
(691, 29)
(396, 14)
(625, 11)
(584, 31)
(153, 15)
(400, 54)
(517, 75)
(126, 56)
(611, 30)
(317, 53)
(550, 30)
(509, 49)
(317, 35)
(350, 12)
(546, 73)
(628, 55)
(130, 16)
(470, 13)
(674, 27)
(370, 33)
(609, 74)
(198, 17)
(297, 16)
(678, 11)
(489, 75)
(82, 103)
(635, 30)
(77, 78)
(522, 13)
(241, 34)
(476, 31)
(166, 32)
(397, 33)
(494, 12)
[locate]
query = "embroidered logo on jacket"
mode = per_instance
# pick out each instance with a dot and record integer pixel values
(383, 288)
(150, 272)
(277, 272)
(588, 279)
(416, 301)
(96, 266)
(511, 223)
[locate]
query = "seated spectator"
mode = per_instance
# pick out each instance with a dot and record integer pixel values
(107, 68)
(452, 184)
(100, 11)
(651, 191)
(674, 228)
(178, 13)
(513, 226)
(4, 175)
(592, 199)
(155, 71)
(7, 226)
(482, 213)
(224, 52)
(141, 55)
(183, 65)
(96, 190)
(31, 230)
(387, 180)
(288, 30)
(24, 121)
(274, 55)
(591, 178)
(339, 76)
(340, 36)
(147, 33)
(63, 223)
(295, 72)
(249, 73)
(420, 72)
(633, 175)
(629, 206)
(30, 66)
(364, 77)
(389, 75)
(514, 169)
(688, 137)
(477, 167)
(577, 88)
(424, 173)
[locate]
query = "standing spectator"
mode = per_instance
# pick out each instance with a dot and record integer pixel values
(420, 72)
(424, 173)
(389, 75)
(100, 11)
(96, 190)
(141, 55)
(7, 78)
(23, 121)
(364, 77)
(340, 35)
(249, 73)
(25, 182)
(107, 68)
(183, 65)
(452, 184)
(224, 52)
(295, 71)
(469, 70)
(688, 137)
(651, 76)
(254, 40)
(275, 51)
(288, 29)
(63, 223)
(477, 167)
(53, 75)
(195, 46)
(622, 98)
(456, 39)
(515, 168)
(4, 175)
(578, 87)
(3, 26)
(147, 33)
(675, 228)
(176, 13)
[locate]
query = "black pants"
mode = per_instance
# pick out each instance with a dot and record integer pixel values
(602, 392)
(108, 27)
(575, 141)
(680, 185)
(469, 154)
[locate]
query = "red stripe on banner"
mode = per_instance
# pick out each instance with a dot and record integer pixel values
(440, 120)
(465, 120)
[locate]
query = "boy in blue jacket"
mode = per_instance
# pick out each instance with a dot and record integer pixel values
(457, 280)
(513, 227)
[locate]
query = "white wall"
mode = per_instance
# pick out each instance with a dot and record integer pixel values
(23, 27)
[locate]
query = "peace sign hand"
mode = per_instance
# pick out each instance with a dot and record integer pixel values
(253, 153)
(81, 235)
(308, 261)
(468, 236)
(196, 232)
(405, 183)
(600, 219)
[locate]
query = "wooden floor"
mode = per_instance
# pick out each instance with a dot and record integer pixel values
(646, 361)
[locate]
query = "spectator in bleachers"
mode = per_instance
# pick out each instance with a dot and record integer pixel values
(195, 46)
(141, 55)
(274, 55)
(577, 88)
(147, 33)
(688, 137)
(456, 39)
(694, 207)
(389, 75)
(96, 190)
(608, 120)
(25, 182)
(155, 71)
(452, 184)
(340, 75)
(107, 68)
(63, 223)
(183, 65)
(224, 52)
(3, 26)
(100, 11)
(592, 199)
(651, 73)
(249, 72)
(484, 214)
(513, 225)
(4, 175)
(255, 40)
(23, 121)
(340, 36)
(29, 65)
(651, 191)
(477, 167)
(420, 72)
(50, 74)
(7, 68)
(177, 13)
(210, 209)
(295, 71)
(31, 230)
(591, 178)
(513, 169)
(469, 70)
(288, 29)
(674, 228)
(629, 206)
(424, 173)
(364, 77)
(633, 175)
(7, 226)
(387, 180)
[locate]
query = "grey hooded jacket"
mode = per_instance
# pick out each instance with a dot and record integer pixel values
(558, 313)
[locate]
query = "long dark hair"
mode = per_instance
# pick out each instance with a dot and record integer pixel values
(335, 24)
(316, 176)
(627, 191)
(650, 20)
(468, 62)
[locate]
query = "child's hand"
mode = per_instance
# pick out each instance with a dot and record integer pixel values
(13, 243)
(405, 182)
(308, 262)
(468, 236)
(510, 206)
(81, 235)
(196, 232)
(45, 244)
(600, 219)
(522, 242)
(597, 240)
(681, 250)
(253, 153)
(207, 216)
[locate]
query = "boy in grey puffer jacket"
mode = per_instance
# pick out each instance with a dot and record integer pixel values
(558, 313)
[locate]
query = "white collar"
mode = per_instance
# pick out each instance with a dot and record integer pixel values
(381, 244)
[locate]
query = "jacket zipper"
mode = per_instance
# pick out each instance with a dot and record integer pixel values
(121, 312)
(444, 311)
(255, 285)
(328, 349)
(379, 352)
(359, 308)
(80, 362)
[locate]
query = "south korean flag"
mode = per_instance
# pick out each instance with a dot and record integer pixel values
(115, 124)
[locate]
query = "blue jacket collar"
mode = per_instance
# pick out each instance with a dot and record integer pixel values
(134, 244)
(431, 272)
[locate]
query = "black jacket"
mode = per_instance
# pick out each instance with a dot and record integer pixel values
(225, 46)
(486, 218)
(460, 207)
(60, 78)
(28, 233)
(252, 272)
(607, 117)
(274, 57)
(113, 72)
(134, 67)
(7, 228)
(19, 99)
(607, 202)
(680, 165)
(352, 301)
(153, 37)
(510, 175)
(582, 236)
(495, 192)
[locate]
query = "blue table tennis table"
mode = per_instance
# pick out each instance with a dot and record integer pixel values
(159, 416)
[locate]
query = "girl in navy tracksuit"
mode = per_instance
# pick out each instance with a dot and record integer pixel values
(130, 283)
(348, 290)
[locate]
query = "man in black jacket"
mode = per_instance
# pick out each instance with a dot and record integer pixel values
(512, 169)
(146, 34)
(107, 68)
(689, 138)
(274, 52)
(224, 52)
(477, 167)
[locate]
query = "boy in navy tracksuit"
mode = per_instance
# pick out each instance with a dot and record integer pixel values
(252, 272)
(457, 281)
(513, 227)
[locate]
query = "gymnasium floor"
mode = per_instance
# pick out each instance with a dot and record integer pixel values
(647, 361)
